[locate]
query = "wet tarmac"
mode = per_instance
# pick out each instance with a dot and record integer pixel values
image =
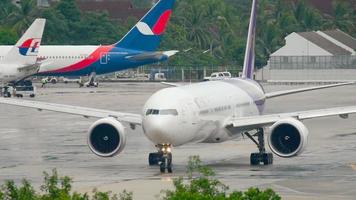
(32, 142)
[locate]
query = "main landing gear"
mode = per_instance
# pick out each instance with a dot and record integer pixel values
(163, 158)
(92, 81)
(261, 156)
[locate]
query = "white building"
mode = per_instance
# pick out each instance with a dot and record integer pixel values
(313, 56)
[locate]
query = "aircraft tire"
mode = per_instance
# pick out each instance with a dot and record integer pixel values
(162, 167)
(254, 159)
(268, 159)
(154, 158)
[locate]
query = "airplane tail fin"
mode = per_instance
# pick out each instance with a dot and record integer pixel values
(249, 63)
(26, 49)
(147, 33)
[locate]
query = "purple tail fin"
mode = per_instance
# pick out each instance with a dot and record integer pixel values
(249, 63)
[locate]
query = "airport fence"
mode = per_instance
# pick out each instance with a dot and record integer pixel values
(174, 73)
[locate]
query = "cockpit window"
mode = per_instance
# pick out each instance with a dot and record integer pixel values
(168, 112)
(172, 112)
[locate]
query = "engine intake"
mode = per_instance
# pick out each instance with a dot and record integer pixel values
(106, 137)
(288, 138)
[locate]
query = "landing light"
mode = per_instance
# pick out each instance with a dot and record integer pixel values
(168, 149)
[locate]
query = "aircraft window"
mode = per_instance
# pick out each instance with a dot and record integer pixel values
(149, 111)
(162, 112)
(168, 112)
(152, 112)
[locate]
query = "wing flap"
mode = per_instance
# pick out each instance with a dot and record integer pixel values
(75, 110)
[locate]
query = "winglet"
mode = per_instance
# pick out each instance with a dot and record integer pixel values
(26, 49)
(249, 63)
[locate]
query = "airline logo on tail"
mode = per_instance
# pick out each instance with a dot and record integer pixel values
(30, 47)
(158, 28)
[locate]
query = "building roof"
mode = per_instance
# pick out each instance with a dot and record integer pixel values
(324, 43)
(327, 6)
(117, 9)
(342, 37)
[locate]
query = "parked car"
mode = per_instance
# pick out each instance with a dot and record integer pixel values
(218, 76)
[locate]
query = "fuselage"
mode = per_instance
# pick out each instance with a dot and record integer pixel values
(83, 60)
(197, 112)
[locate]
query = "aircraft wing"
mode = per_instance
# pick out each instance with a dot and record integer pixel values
(295, 91)
(268, 120)
(134, 119)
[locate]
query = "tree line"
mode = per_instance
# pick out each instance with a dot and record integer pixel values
(207, 32)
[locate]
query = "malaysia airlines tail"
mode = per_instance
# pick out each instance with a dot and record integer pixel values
(147, 33)
(25, 51)
(249, 63)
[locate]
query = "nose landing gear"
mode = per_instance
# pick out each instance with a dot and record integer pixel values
(163, 158)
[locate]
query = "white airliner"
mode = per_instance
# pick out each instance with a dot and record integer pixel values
(20, 61)
(138, 47)
(207, 112)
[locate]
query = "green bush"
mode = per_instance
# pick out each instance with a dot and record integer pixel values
(54, 188)
(202, 185)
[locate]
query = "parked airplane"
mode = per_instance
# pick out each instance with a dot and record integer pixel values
(207, 112)
(137, 48)
(20, 61)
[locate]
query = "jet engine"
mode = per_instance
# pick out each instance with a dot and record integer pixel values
(288, 138)
(106, 137)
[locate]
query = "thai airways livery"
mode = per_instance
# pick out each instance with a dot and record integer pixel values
(137, 48)
(207, 112)
(20, 60)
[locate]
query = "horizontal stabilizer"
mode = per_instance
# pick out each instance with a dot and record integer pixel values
(159, 56)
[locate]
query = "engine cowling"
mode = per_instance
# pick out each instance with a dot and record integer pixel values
(106, 137)
(288, 138)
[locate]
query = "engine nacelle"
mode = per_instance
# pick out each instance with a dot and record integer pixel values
(106, 137)
(288, 138)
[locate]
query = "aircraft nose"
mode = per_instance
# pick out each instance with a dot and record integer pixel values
(158, 130)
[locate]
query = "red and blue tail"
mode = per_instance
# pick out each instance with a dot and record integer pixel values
(147, 33)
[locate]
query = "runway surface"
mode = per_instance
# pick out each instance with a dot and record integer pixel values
(32, 142)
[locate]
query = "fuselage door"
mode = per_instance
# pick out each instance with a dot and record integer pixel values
(103, 58)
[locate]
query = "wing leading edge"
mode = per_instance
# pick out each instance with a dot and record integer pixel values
(295, 91)
(268, 120)
(75, 110)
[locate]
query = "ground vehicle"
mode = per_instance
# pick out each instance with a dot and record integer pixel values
(52, 80)
(72, 80)
(6, 91)
(25, 90)
(159, 77)
(218, 76)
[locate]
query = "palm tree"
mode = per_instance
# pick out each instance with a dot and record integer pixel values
(194, 19)
(342, 18)
(23, 16)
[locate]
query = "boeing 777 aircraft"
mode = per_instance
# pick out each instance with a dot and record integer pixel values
(20, 61)
(207, 112)
(137, 48)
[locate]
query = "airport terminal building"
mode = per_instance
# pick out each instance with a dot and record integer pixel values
(324, 56)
